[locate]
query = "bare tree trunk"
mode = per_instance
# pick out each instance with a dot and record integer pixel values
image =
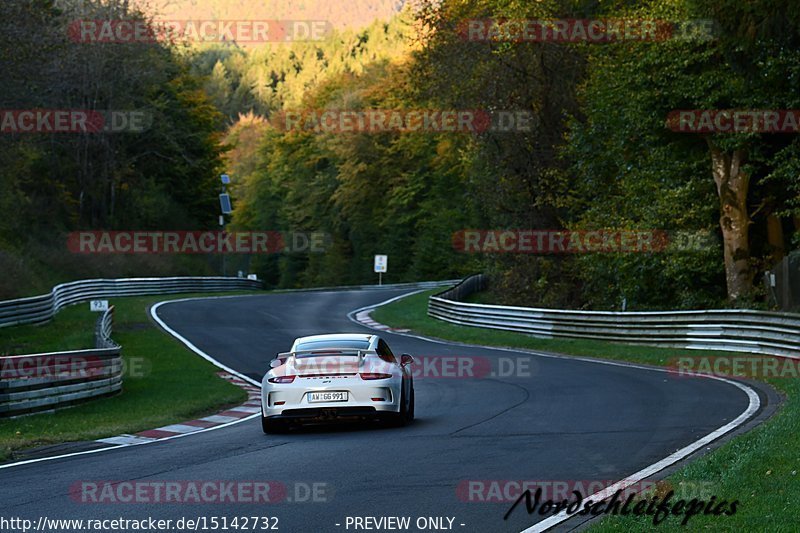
(775, 237)
(734, 220)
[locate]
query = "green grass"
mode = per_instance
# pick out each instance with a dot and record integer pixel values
(759, 469)
(167, 382)
(72, 329)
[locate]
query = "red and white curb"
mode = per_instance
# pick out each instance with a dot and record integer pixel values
(249, 408)
(363, 317)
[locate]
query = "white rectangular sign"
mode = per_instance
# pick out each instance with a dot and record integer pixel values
(381, 263)
(98, 305)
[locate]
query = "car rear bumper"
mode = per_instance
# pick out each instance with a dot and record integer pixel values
(364, 399)
(323, 414)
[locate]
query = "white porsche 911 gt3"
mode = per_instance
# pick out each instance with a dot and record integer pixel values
(323, 378)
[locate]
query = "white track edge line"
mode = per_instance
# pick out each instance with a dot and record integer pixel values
(193, 348)
(753, 406)
(648, 471)
(120, 446)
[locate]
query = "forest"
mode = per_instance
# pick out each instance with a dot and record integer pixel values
(599, 153)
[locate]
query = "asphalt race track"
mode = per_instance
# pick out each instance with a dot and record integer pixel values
(564, 420)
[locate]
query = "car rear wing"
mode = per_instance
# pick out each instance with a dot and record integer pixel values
(327, 351)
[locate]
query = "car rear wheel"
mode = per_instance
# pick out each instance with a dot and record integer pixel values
(272, 426)
(406, 414)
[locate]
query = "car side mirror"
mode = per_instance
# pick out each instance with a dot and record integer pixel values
(275, 363)
(406, 359)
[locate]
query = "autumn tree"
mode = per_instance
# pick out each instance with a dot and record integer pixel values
(748, 62)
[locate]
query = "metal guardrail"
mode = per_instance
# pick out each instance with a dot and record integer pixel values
(102, 331)
(39, 309)
(734, 330)
(385, 286)
(32, 383)
(40, 382)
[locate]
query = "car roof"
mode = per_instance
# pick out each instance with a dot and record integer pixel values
(364, 337)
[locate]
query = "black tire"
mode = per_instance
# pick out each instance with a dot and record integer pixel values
(411, 406)
(406, 414)
(272, 426)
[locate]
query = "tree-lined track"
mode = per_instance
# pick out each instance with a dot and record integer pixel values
(569, 420)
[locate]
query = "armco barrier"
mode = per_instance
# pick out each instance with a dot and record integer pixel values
(38, 309)
(31, 383)
(38, 382)
(409, 285)
(735, 330)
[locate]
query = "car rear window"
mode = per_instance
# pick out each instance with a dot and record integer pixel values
(334, 345)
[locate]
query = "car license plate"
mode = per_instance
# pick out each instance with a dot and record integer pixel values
(327, 396)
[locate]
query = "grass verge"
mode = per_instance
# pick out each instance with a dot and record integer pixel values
(164, 382)
(759, 468)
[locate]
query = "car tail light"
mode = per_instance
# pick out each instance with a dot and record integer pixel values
(378, 399)
(281, 379)
(374, 375)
